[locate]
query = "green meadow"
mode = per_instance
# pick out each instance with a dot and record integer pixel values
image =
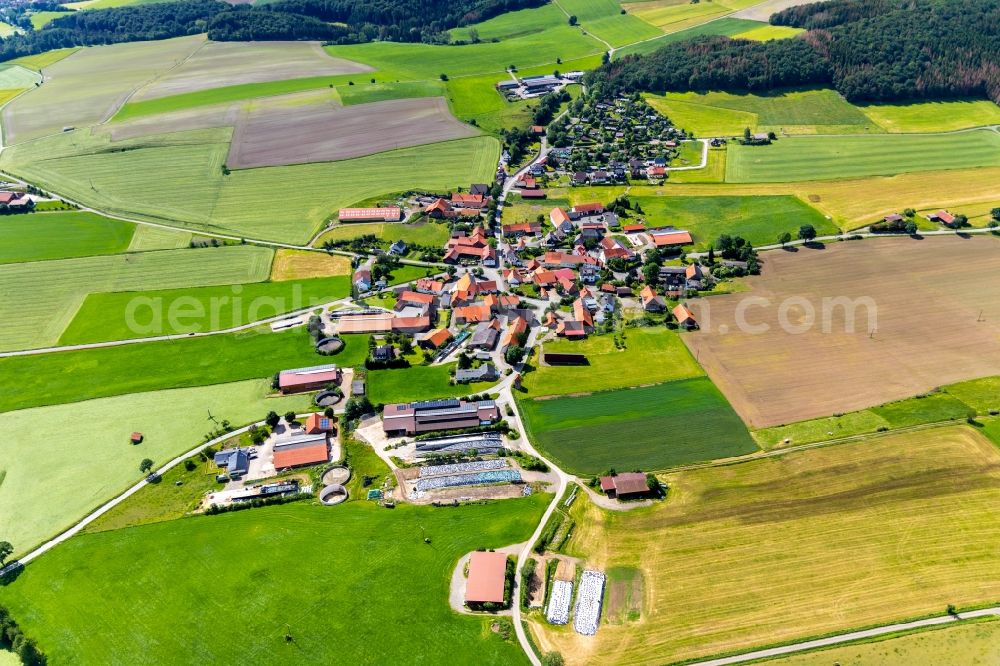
(648, 428)
(333, 579)
(51, 379)
(41, 298)
(366, 92)
(138, 314)
(939, 116)
(831, 157)
(53, 479)
(650, 355)
(418, 382)
(786, 112)
(727, 27)
(423, 233)
(40, 61)
(604, 19)
(178, 177)
(759, 219)
(61, 235)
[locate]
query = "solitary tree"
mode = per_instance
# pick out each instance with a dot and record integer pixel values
(911, 228)
(289, 417)
(572, 19)
(6, 550)
(746, 134)
(784, 238)
(995, 213)
(146, 465)
(807, 232)
(711, 256)
(272, 419)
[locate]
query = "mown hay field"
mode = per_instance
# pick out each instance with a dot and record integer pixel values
(650, 356)
(272, 550)
(674, 16)
(799, 545)
(913, 328)
(831, 157)
(278, 131)
(240, 63)
(788, 112)
(421, 233)
(301, 264)
(645, 428)
(178, 177)
(141, 314)
(73, 376)
(604, 18)
(40, 298)
(970, 644)
(74, 97)
(53, 481)
(61, 235)
(147, 238)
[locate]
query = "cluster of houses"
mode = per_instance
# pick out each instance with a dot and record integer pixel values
(15, 202)
(612, 141)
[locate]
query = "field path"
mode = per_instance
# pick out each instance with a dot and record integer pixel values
(848, 637)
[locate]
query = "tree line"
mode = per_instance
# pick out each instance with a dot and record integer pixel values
(329, 21)
(868, 50)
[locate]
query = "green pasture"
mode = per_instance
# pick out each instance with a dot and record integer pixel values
(287, 569)
(768, 32)
(759, 219)
(939, 116)
(604, 19)
(54, 479)
(72, 376)
(179, 177)
(649, 428)
(140, 314)
(418, 382)
(650, 355)
(786, 112)
(6, 29)
(511, 25)
(833, 157)
(474, 99)
(366, 92)
(727, 27)
(40, 298)
(411, 61)
(422, 233)
(61, 235)
(148, 238)
(41, 19)
(954, 402)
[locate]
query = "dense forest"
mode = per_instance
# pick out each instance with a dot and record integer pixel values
(331, 21)
(876, 50)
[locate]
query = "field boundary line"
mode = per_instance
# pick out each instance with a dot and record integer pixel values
(848, 637)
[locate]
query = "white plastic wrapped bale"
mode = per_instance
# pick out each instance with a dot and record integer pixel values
(587, 615)
(562, 594)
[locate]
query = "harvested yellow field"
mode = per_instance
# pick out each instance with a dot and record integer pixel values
(302, 264)
(795, 546)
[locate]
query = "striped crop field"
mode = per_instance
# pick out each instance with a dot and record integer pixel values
(646, 428)
(178, 177)
(40, 298)
(839, 537)
(833, 157)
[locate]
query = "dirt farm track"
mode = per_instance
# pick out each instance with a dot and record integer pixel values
(936, 321)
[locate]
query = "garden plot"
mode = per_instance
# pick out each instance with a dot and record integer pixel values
(236, 63)
(280, 132)
(88, 87)
(936, 308)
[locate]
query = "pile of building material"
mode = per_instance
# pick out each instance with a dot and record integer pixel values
(462, 468)
(558, 610)
(587, 614)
